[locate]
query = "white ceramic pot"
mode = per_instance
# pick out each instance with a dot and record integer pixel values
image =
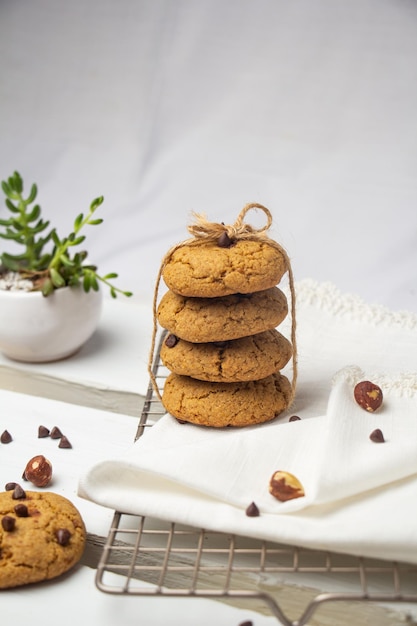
(35, 329)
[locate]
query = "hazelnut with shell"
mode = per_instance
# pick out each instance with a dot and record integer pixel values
(38, 471)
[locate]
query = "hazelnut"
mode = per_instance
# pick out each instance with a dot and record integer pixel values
(39, 471)
(285, 486)
(368, 395)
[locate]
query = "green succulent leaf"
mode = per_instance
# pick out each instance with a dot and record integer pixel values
(55, 238)
(77, 240)
(86, 282)
(6, 187)
(65, 260)
(11, 206)
(32, 195)
(56, 278)
(34, 214)
(78, 222)
(96, 203)
(47, 287)
(16, 182)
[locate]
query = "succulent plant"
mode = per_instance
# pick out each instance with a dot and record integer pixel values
(49, 261)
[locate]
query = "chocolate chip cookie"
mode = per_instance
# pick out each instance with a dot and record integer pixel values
(210, 271)
(42, 535)
(226, 404)
(201, 320)
(248, 358)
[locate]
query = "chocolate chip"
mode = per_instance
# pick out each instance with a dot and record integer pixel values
(376, 436)
(55, 433)
(252, 510)
(64, 443)
(63, 536)
(224, 240)
(43, 432)
(171, 341)
(18, 493)
(5, 437)
(10, 486)
(21, 510)
(294, 418)
(8, 523)
(246, 623)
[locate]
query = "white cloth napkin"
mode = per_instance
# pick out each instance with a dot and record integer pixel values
(360, 496)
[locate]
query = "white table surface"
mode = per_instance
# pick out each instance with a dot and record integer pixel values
(93, 435)
(167, 107)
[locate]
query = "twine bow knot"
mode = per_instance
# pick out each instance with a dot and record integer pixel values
(211, 231)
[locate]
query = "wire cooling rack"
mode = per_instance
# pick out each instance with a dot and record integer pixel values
(157, 558)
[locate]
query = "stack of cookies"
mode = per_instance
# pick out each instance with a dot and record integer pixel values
(222, 348)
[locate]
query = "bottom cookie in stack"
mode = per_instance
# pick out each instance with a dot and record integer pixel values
(226, 404)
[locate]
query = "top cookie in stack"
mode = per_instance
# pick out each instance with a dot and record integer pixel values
(221, 311)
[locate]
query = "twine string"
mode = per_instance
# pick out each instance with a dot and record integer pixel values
(202, 231)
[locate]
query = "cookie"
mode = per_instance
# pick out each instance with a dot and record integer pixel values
(226, 404)
(248, 358)
(208, 270)
(201, 320)
(42, 535)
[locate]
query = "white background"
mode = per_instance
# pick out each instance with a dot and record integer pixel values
(171, 106)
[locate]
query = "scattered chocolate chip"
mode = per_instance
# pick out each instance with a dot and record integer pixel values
(171, 341)
(64, 443)
(18, 493)
(248, 622)
(8, 523)
(368, 395)
(21, 510)
(9, 486)
(43, 432)
(252, 510)
(377, 436)
(294, 418)
(63, 536)
(224, 240)
(55, 433)
(6, 437)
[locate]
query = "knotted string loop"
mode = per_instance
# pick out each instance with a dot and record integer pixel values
(211, 231)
